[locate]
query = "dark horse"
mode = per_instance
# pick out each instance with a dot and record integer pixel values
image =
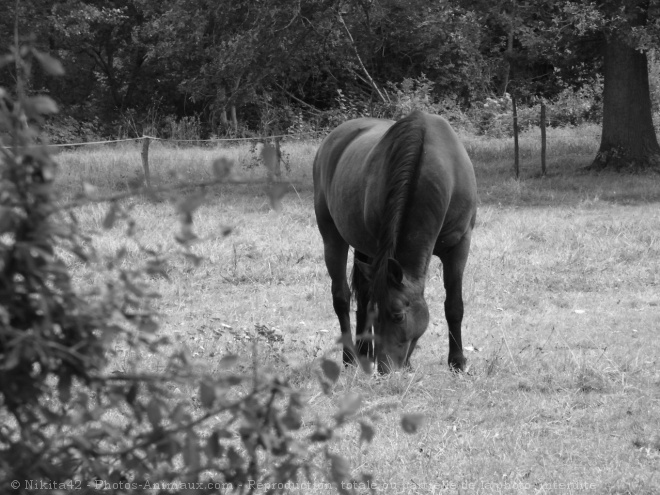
(398, 193)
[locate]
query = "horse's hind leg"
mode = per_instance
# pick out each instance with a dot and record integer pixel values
(453, 265)
(365, 347)
(336, 256)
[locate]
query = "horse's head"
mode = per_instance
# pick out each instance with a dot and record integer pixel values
(399, 315)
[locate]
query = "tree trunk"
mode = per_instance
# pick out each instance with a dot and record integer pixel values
(221, 102)
(543, 139)
(516, 147)
(628, 138)
(234, 119)
(140, 58)
(508, 56)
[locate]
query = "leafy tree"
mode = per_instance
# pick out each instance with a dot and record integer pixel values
(401, 39)
(231, 53)
(103, 48)
(105, 43)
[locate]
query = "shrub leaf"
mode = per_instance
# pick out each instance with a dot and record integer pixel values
(412, 422)
(207, 394)
(276, 192)
(49, 64)
(110, 217)
(228, 361)
(367, 432)
(339, 472)
(154, 413)
(331, 370)
(223, 168)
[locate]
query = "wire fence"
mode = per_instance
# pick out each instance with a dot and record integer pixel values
(212, 140)
(146, 141)
(89, 143)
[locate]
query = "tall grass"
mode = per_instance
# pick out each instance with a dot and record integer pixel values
(119, 167)
(562, 141)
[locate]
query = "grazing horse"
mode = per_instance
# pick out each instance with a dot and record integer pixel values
(397, 193)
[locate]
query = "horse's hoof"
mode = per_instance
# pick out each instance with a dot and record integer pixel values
(457, 363)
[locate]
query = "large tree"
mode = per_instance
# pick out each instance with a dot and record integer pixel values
(613, 38)
(628, 138)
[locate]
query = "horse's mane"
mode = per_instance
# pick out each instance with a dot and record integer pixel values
(403, 157)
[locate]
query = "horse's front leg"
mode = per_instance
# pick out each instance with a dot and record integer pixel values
(453, 266)
(364, 342)
(336, 255)
(341, 297)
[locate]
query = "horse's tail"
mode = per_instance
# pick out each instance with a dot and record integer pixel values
(405, 146)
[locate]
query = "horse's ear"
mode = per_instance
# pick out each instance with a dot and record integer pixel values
(365, 269)
(394, 270)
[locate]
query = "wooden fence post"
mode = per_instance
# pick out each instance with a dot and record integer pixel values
(543, 169)
(516, 151)
(145, 160)
(278, 156)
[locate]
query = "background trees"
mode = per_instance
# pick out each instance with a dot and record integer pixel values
(248, 65)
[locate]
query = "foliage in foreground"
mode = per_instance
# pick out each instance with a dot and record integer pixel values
(69, 422)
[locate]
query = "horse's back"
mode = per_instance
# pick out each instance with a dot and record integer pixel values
(343, 172)
(349, 179)
(341, 142)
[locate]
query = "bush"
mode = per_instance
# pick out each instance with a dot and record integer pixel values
(494, 117)
(70, 422)
(404, 97)
(573, 107)
(185, 128)
(66, 129)
(411, 94)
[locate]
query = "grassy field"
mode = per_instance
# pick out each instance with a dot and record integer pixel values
(562, 296)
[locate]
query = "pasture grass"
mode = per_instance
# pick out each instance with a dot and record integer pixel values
(562, 296)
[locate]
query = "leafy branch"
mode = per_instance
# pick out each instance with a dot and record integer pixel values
(359, 59)
(66, 417)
